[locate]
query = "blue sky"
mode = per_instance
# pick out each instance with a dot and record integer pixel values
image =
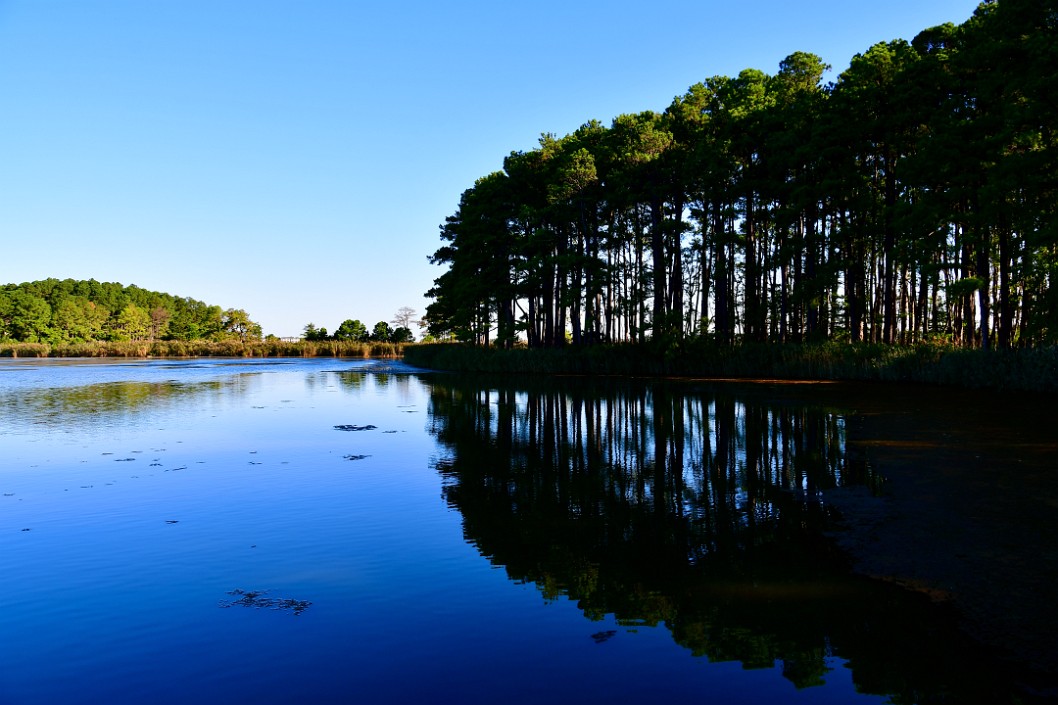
(295, 158)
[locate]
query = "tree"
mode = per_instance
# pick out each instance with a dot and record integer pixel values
(133, 323)
(403, 317)
(382, 333)
(914, 197)
(76, 319)
(314, 333)
(351, 329)
(24, 317)
(481, 280)
(642, 141)
(159, 322)
(237, 324)
(402, 334)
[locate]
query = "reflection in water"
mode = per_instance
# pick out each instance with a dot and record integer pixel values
(111, 403)
(698, 510)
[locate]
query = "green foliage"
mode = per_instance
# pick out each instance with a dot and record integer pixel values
(236, 324)
(312, 333)
(133, 323)
(25, 317)
(912, 198)
(70, 311)
(351, 329)
(382, 333)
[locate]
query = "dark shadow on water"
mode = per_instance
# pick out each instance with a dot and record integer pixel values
(703, 509)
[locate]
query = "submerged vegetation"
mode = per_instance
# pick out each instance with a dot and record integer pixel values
(911, 201)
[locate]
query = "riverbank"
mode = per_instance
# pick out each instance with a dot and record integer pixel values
(206, 348)
(1021, 370)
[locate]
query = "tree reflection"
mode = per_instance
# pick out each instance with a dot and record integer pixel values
(699, 509)
(102, 405)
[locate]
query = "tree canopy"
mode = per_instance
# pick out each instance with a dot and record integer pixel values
(911, 199)
(354, 330)
(75, 311)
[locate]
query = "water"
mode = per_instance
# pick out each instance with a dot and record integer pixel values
(335, 531)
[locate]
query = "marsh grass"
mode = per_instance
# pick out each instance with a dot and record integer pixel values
(24, 350)
(1022, 370)
(1019, 370)
(205, 348)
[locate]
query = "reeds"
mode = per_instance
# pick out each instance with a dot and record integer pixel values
(205, 348)
(23, 350)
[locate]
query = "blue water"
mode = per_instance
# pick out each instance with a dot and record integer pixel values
(138, 498)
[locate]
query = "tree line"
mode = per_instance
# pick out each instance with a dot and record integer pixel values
(912, 199)
(353, 330)
(56, 311)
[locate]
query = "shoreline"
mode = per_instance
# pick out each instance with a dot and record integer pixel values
(1028, 370)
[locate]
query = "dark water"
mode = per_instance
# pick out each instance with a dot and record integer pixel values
(345, 532)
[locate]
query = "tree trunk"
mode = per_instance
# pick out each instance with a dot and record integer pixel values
(657, 252)
(722, 324)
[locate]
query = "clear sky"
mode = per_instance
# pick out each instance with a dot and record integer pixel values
(295, 158)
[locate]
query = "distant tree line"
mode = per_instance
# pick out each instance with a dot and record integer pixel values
(912, 199)
(56, 311)
(354, 331)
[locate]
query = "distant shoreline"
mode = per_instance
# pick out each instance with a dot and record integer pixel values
(1027, 370)
(204, 348)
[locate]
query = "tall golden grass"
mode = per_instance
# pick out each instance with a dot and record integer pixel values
(205, 348)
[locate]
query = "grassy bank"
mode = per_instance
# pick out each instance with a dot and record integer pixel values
(205, 348)
(1030, 370)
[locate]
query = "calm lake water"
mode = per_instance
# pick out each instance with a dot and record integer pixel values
(337, 531)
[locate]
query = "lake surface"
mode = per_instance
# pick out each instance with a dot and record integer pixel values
(340, 531)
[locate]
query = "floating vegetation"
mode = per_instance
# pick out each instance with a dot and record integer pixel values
(600, 637)
(355, 457)
(351, 427)
(257, 600)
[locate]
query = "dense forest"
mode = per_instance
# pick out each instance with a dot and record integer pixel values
(913, 199)
(57, 311)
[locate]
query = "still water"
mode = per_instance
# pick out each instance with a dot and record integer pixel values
(333, 531)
